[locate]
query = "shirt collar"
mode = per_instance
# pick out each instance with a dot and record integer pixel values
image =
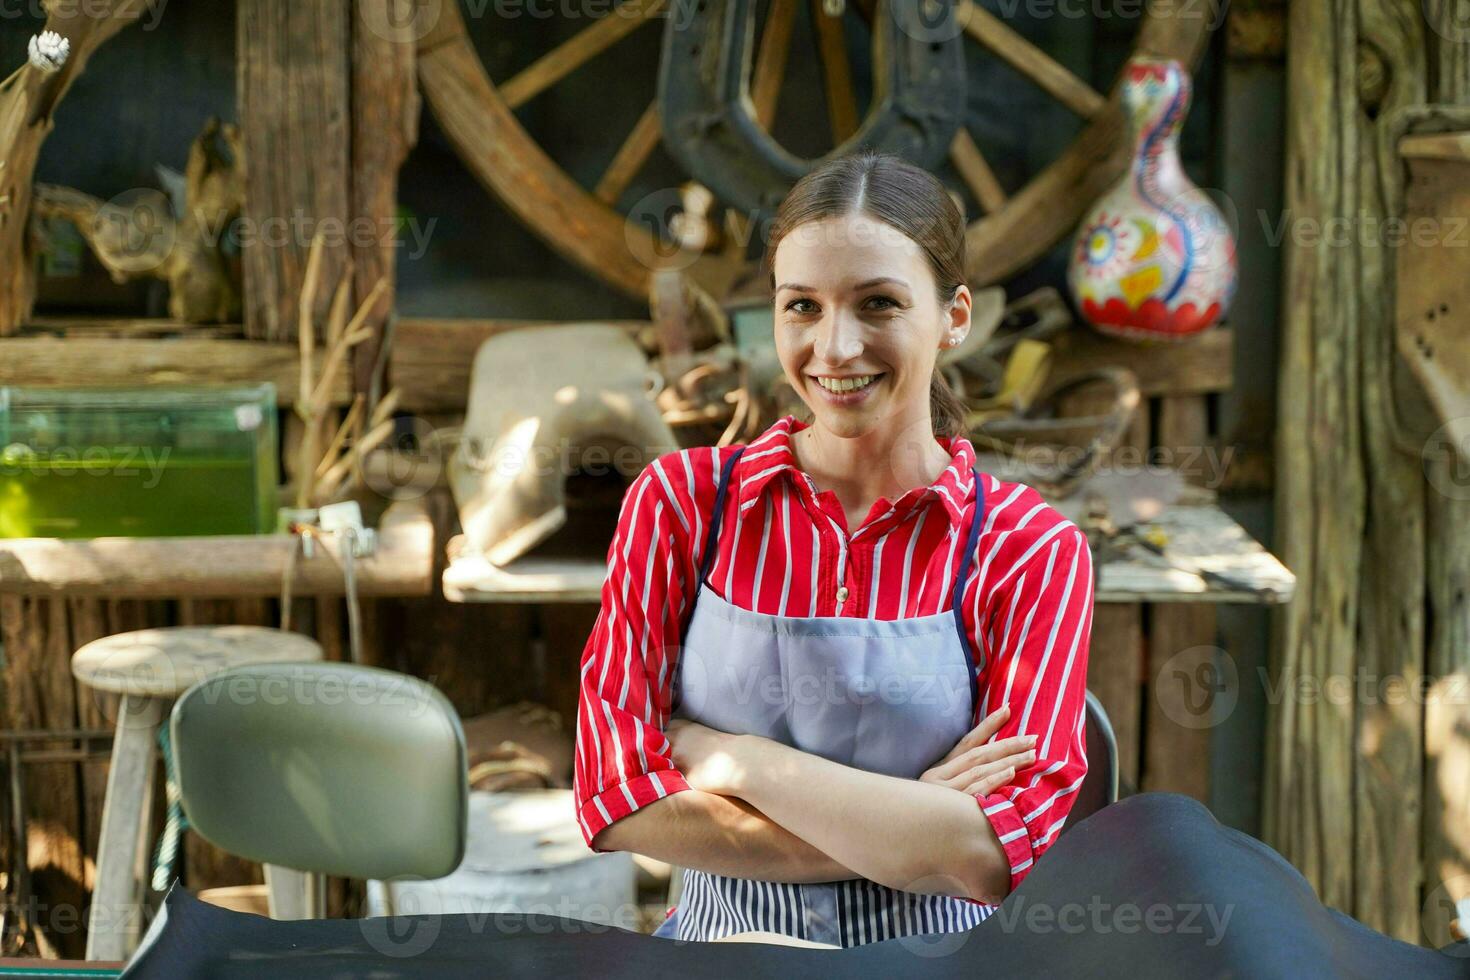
(770, 455)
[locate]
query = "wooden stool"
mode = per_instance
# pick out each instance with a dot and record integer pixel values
(148, 669)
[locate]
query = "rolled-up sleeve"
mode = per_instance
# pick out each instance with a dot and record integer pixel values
(622, 760)
(1037, 640)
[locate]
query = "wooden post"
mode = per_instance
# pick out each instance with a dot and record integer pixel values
(42, 696)
(1387, 754)
(1344, 768)
(293, 84)
(1447, 529)
(114, 922)
(1117, 659)
(385, 119)
(1182, 673)
(1114, 674)
(1320, 492)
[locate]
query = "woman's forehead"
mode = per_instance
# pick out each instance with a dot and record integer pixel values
(852, 245)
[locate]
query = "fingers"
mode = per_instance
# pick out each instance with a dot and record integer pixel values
(991, 783)
(988, 775)
(992, 722)
(1012, 763)
(990, 752)
(988, 726)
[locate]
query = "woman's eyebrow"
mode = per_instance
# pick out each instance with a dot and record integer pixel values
(880, 281)
(798, 287)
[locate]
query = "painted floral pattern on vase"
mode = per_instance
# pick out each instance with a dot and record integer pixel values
(1154, 258)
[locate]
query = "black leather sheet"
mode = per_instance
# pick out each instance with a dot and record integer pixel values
(1152, 886)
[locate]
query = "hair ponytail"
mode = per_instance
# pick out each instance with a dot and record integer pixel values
(946, 411)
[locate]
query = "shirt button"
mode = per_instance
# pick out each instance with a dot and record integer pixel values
(842, 594)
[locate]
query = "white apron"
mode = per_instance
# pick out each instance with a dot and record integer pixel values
(889, 696)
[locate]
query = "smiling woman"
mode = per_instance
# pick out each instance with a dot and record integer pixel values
(838, 674)
(866, 260)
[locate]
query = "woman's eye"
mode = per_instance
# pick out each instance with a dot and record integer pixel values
(792, 307)
(886, 303)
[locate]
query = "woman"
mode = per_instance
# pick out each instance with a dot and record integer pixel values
(838, 674)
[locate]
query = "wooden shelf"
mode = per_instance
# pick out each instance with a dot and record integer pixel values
(76, 353)
(1201, 538)
(228, 566)
(431, 358)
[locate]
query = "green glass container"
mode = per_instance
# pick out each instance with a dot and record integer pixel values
(160, 461)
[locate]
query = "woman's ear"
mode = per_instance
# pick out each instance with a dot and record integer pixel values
(957, 317)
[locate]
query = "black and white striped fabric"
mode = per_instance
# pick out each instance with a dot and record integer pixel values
(842, 913)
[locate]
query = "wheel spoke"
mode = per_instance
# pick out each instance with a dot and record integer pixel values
(576, 51)
(770, 61)
(841, 104)
(1029, 60)
(630, 156)
(976, 172)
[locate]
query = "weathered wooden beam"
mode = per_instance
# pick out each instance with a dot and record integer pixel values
(41, 696)
(293, 80)
(431, 359)
(1446, 852)
(100, 327)
(385, 121)
(1388, 785)
(228, 566)
(1115, 670)
(1184, 664)
(81, 361)
(1192, 367)
(1344, 776)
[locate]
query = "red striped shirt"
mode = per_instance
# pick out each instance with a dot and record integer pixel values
(785, 549)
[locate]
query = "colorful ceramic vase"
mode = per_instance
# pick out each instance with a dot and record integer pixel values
(1154, 258)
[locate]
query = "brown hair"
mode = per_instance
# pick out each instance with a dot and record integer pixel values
(891, 190)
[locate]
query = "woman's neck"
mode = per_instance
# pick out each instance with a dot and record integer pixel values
(886, 462)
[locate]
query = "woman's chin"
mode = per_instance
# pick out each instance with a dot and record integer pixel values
(847, 423)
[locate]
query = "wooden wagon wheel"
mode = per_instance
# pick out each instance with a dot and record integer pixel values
(478, 116)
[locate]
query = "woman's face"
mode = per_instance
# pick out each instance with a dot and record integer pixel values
(859, 323)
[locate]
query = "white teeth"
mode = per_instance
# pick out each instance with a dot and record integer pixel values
(846, 384)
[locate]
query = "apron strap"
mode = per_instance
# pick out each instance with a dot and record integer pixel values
(712, 539)
(711, 542)
(977, 656)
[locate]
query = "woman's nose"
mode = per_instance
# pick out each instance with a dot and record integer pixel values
(839, 338)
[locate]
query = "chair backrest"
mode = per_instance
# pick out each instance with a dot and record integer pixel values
(329, 768)
(1100, 785)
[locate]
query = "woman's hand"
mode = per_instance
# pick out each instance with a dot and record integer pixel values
(710, 760)
(976, 768)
